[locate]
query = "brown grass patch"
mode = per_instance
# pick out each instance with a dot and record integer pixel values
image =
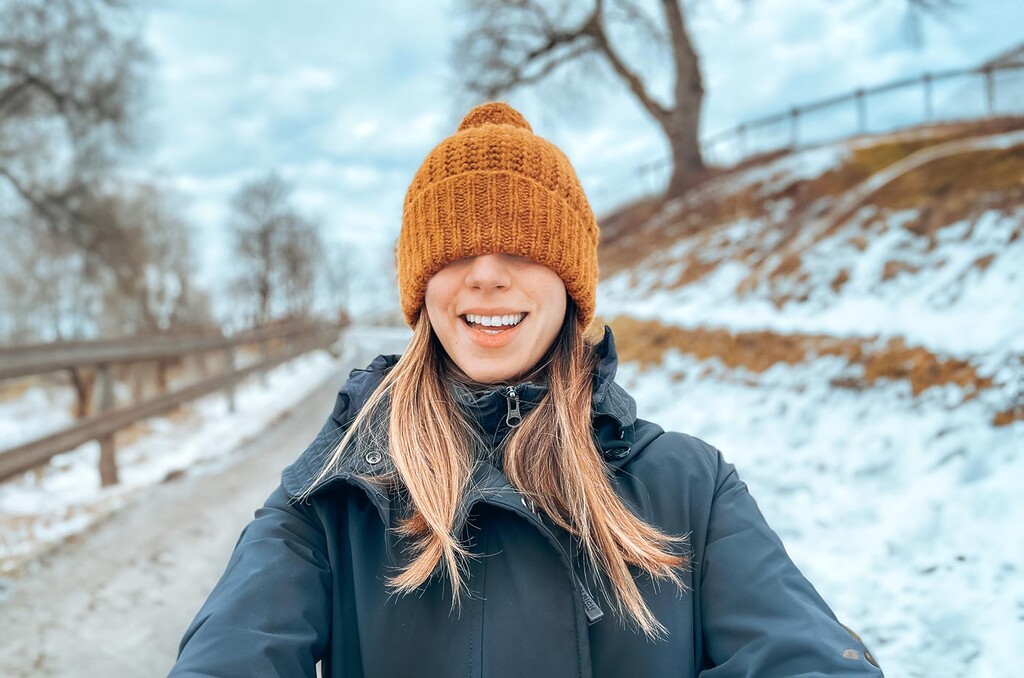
(1010, 415)
(944, 192)
(982, 263)
(968, 175)
(694, 269)
(895, 267)
(840, 280)
(645, 342)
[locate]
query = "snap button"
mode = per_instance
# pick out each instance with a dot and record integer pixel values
(851, 654)
(616, 453)
(373, 457)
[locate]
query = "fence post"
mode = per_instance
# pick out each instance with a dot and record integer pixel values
(990, 94)
(108, 456)
(926, 82)
(862, 111)
(794, 127)
(741, 132)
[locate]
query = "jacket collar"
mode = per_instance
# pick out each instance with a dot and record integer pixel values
(614, 416)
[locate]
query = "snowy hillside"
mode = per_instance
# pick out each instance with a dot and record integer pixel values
(847, 325)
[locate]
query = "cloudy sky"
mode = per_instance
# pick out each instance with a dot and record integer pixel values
(344, 99)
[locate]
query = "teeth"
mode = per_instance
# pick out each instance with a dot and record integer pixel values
(495, 320)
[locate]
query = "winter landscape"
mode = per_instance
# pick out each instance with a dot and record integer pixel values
(842, 317)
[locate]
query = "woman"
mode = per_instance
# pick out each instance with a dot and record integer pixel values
(488, 504)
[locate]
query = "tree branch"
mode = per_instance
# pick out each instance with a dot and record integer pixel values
(594, 28)
(688, 78)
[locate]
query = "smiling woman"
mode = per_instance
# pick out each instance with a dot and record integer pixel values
(481, 305)
(498, 473)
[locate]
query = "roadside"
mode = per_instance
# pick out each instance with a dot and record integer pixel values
(115, 599)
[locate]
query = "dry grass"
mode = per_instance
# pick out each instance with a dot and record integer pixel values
(943, 192)
(896, 267)
(645, 342)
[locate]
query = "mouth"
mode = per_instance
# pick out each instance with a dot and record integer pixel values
(493, 325)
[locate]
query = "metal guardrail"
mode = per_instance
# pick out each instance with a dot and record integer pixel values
(991, 90)
(993, 96)
(42, 358)
(25, 360)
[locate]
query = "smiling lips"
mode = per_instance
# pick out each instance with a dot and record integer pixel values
(492, 330)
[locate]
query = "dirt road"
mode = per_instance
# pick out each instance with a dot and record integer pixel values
(115, 601)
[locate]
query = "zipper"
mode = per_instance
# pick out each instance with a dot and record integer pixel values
(592, 610)
(513, 418)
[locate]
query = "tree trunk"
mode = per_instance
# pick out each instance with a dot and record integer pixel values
(682, 123)
(687, 161)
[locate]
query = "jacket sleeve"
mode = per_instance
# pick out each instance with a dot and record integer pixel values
(761, 617)
(269, 615)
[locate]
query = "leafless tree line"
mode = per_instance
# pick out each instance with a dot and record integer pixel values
(89, 250)
(281, 261)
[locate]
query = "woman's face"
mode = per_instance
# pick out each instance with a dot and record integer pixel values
(496, 314)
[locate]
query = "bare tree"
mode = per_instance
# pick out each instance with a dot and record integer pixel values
(515, 43)
(128, 270)
(301, 263)
(510, 44)
(277, 250)
(153, 269)
(335, 280)
(71, 83)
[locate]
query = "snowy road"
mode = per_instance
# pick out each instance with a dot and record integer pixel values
(115, 600)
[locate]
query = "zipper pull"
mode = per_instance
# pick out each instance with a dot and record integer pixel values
(590, 606)
(513, 418)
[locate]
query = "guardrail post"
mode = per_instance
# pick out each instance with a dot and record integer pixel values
(926, 82)
(83, 391)
(108, 456)
(862, 111)
(229, 367)
(161, 376)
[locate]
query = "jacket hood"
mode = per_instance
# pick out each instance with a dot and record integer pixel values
(614, 417)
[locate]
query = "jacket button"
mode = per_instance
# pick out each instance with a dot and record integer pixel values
(616, 453)
(373, 457)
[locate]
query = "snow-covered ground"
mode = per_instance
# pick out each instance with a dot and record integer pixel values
(39, 509)
(948, 305)
(903, 512)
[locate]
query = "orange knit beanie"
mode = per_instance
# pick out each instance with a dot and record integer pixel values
(495, 187)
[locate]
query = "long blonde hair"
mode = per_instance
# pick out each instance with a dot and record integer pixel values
(551, 458)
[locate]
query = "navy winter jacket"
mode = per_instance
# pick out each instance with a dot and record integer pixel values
(306, 581)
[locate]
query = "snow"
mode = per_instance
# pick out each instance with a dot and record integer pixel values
(949, 306)
(39, 509)
(904, 511)
(900, 510)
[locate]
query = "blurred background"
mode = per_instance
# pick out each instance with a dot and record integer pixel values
(811, 256)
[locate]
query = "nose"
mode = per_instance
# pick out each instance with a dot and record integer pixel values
(488, 272)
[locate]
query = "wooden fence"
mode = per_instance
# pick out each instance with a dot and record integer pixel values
(289, 339)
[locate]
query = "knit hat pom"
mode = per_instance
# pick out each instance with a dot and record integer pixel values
(494, 113)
